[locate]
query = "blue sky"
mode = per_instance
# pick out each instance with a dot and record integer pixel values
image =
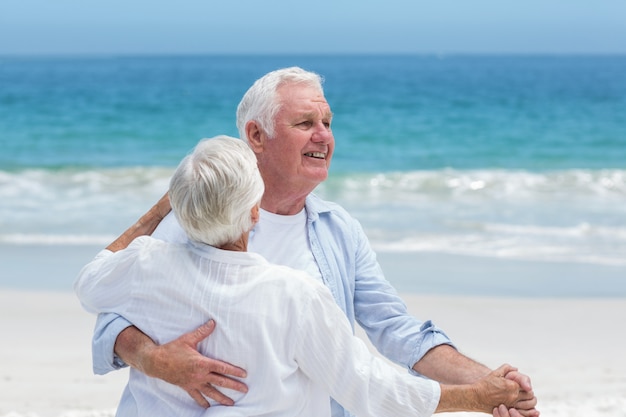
(322, 26)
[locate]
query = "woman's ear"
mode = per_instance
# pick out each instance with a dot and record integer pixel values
(255, 214)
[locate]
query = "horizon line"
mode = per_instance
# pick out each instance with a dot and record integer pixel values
(301, 54)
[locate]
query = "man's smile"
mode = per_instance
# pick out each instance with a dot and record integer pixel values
(318, 155)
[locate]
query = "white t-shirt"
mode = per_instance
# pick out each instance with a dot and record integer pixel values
(283, 240)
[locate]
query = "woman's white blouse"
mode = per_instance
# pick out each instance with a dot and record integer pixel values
(278, 324)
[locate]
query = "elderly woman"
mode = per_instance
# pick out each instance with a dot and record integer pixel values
(279, 324)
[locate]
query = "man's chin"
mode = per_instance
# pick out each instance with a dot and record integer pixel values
(320, 176)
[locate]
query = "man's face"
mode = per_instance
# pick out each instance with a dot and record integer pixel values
(299, 154)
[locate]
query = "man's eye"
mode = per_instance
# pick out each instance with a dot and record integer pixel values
(305, 124)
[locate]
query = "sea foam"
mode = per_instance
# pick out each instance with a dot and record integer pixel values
(570, 215)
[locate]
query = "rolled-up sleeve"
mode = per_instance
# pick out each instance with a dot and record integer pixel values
(108, 327)
(431, 336)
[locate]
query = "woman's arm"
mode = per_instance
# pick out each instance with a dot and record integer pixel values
(177, 362)
(367, 385)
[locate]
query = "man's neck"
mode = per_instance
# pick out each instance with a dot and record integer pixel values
(286, 206)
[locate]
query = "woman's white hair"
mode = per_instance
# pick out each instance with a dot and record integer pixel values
(261, 103)
(214, 189)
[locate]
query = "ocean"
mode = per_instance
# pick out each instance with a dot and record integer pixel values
(507, 157)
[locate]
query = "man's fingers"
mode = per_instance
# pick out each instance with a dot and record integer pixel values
(208, 391)
(215, 395)
(198, 398)
(223, 368)
(526, 401)
(526, 395)
(225, 382)
(505, 370)
(522, 380)
(199, 334)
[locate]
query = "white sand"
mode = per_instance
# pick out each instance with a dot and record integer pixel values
(572, 349)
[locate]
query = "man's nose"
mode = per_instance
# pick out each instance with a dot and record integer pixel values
(322, 133)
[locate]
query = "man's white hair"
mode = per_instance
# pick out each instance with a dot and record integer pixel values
(261, 104)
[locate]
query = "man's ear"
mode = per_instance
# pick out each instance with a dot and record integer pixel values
(255, 136)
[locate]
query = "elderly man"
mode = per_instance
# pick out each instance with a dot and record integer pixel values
(289, 332)
(287, 123)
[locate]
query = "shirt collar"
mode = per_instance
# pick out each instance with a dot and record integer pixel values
(316, 206)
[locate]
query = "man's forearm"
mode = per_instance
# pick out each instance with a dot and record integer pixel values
(133, 347)
(446, 365)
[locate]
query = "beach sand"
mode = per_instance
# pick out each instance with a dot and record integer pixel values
(571, 347)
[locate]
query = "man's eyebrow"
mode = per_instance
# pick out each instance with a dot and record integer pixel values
(314, 114)
(328, 115)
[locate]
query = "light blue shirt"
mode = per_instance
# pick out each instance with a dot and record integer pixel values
(350, 270)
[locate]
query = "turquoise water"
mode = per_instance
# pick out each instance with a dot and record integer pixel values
(392, 112)
(513, 157)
